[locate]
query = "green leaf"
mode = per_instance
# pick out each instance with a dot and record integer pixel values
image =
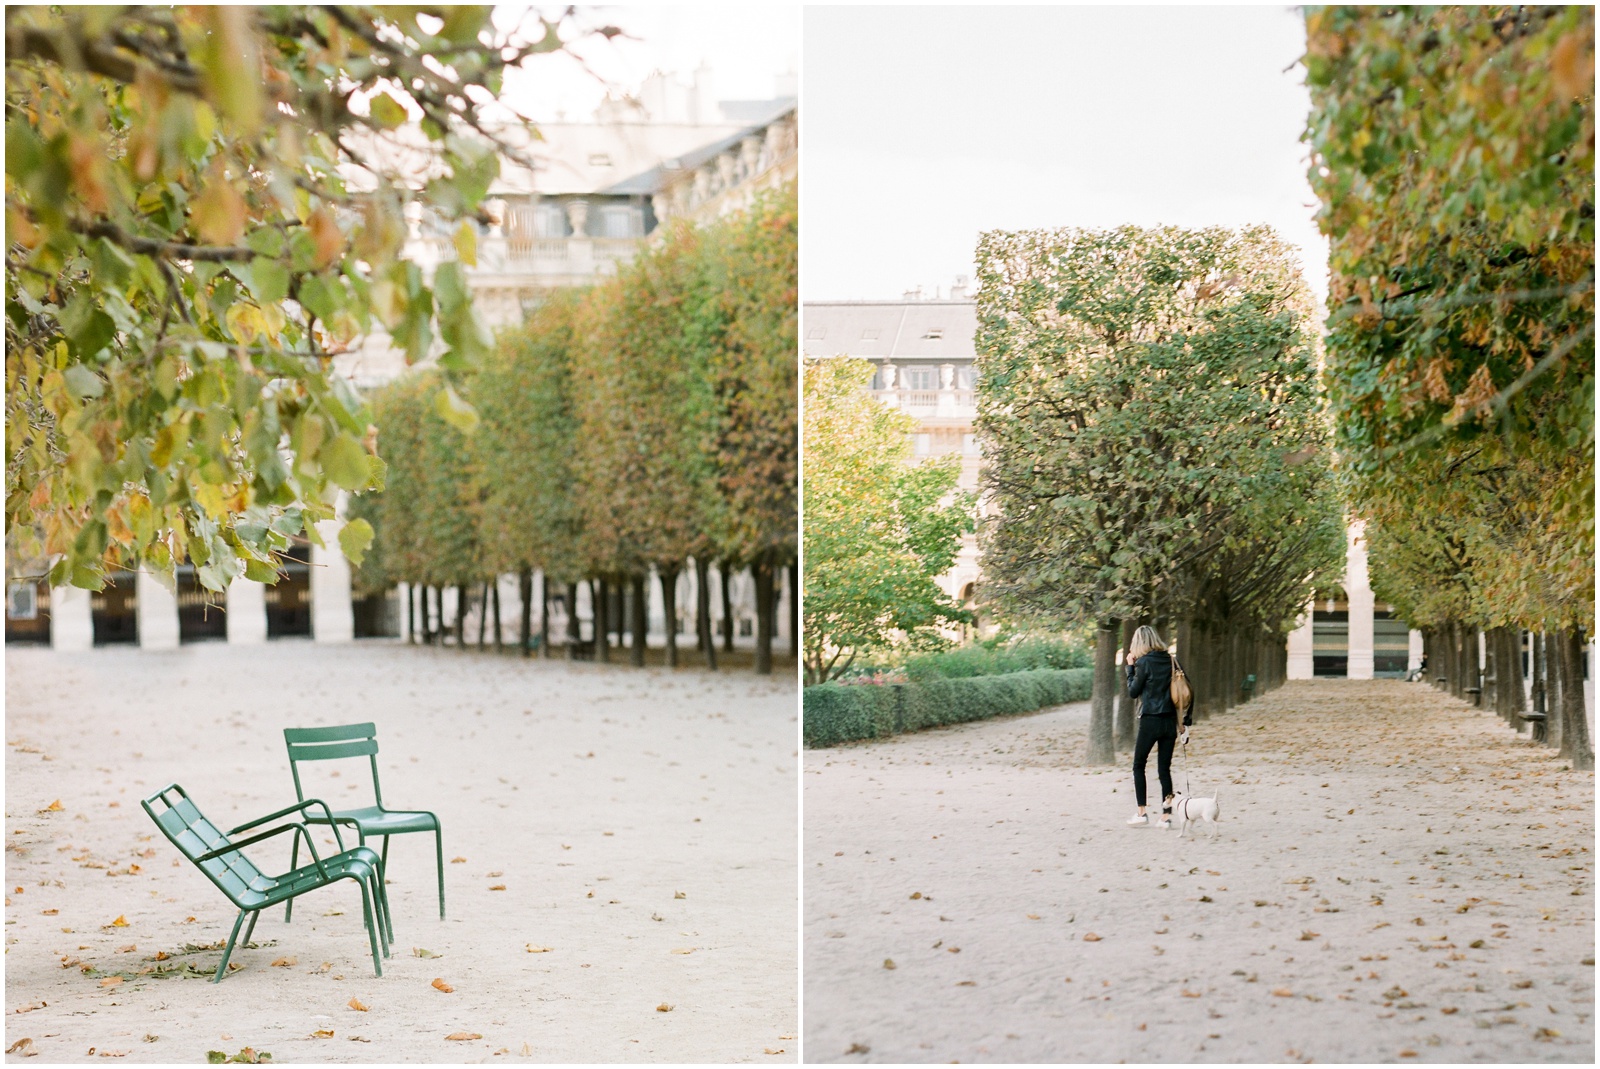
(387, 113)
(87, 327)
(455, 410)
(354, 538)
(83, 382)
(269, 281)
(260, 571)
(344, 461)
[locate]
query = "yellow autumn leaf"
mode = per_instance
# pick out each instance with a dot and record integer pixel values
(357, 1005)
(438, 982)
(664, 1008)
(120, 922)
(459, 1036)
(535, 949)
(322, 1033)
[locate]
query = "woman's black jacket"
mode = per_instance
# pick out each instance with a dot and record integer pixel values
(1150, 680)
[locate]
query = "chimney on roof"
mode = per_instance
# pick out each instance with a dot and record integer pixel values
(915, 293)
(958, 290)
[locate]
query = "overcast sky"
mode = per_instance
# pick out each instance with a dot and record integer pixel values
(922, 126)
(747, 47)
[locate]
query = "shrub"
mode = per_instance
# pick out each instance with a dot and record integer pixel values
(1024, 655)
(836, 713)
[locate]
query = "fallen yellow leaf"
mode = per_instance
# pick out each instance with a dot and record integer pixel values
(111, 981)
(458, 861)
(1283, 992)
(357, 1005)
(888, 963)
(497, 887)
(664, 1008)
(683, 950)
(438, 982)
(120, 922)
(532, 949)
(53, 807)
(23, 1047)
(463, 1035)
(284, 963)
(1090, 937)
(322, 1033)
(774, 1050)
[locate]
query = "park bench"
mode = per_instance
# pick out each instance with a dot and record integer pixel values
(1475, 695)
(250, 889)
(358, 740)
(1536, 723)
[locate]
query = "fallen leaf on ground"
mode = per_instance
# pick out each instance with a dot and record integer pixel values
(888, 963)
(438, 982)
(773, 1050)
(53, 807)
(683, 950)
(421, 953)
(527, 1050)
(322, 1033)
(458, 861)
(357, 1005)
(120, 922)
(284, 963)
(664, 1008)
(859, 1048)
(1033, 916)
(113, 1054)
(1283, 992)
(30, 1007)
(679, 894)
(497, 887)
(50, 912)
(495, 875)
(536, 949)
(23, 1046)
(1090, 937)
(459, 1036)
(111, 981)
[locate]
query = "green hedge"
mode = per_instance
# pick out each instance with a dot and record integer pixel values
(836, 713)
(1026, 655)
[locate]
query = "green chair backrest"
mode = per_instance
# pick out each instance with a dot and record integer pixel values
(330, 744)
(181, 821)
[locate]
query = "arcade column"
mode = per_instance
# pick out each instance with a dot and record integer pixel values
(1358, 591)
(1301, 664)
(71, 620)
(246, 612)
(158, 613)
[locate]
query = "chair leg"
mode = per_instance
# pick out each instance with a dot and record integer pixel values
(372, 928)
(294, 863)
(250, 929)
(438, 838)
(222, 968)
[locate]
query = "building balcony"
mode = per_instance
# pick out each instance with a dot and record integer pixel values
(534, 257)
(950, 403)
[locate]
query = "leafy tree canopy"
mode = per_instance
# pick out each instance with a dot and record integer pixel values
(203, 206)
(879, 528)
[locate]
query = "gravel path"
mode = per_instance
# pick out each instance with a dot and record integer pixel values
(1398, 877)
(639, 824)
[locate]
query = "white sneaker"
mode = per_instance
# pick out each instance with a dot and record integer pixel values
(1139, 818)
(1164, 823)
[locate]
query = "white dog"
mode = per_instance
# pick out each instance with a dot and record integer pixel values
(1186, 811)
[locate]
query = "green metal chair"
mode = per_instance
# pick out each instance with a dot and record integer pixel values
(252, 890)
(359, 740)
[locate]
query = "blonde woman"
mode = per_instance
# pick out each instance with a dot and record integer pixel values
(1150, 680)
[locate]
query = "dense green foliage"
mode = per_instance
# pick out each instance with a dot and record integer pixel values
(203, 205)
(982, 659)
(1453, 152)
(879, 528)
(837, 712)
(1154, 446)
(637, 426)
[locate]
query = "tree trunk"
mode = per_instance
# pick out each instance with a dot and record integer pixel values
(602, 625)
(1123, 734)
(640, 590)
(669, 609)
(461, 617)
(763, 577)
(544, 612)
(499, 641)
(525, 623)
(483, 617)
(794, 611)
(726, 568)
(702, 612)
(574, 626)
(1576, 745)
(411, 614)
(1101, 751)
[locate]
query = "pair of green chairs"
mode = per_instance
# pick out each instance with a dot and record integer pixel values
(250, 890)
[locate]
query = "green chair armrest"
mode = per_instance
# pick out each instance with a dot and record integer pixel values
(298, 807)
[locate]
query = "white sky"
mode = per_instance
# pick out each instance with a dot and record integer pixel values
(747, 46)
(922, 126)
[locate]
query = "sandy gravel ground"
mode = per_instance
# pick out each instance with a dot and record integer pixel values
(1398, 878)
(640, 822)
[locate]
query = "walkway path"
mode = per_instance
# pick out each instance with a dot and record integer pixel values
(1398, 877)
(637, 823)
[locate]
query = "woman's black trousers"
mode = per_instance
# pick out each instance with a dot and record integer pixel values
(1160, 732)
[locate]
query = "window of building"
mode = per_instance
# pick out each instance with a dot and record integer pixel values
(546, 220)
(922, 444)
(921, 378)
(934, 334)
(869, 335)
(599, 159)
(620, 221)
(814, 333)
(966, 377)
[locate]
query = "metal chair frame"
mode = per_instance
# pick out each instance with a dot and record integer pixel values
(250, 890)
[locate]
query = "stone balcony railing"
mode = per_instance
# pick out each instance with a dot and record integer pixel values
(950, 402)
(533, 256)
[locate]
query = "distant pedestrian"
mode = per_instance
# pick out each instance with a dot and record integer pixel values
(1149, 667)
